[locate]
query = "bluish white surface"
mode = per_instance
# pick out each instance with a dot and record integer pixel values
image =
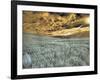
(56, 52)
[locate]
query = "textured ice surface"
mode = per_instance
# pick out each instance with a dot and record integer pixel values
(56, 52)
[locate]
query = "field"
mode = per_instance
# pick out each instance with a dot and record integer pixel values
(56, 52)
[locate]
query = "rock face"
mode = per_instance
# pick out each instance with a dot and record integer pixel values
(27, 61)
